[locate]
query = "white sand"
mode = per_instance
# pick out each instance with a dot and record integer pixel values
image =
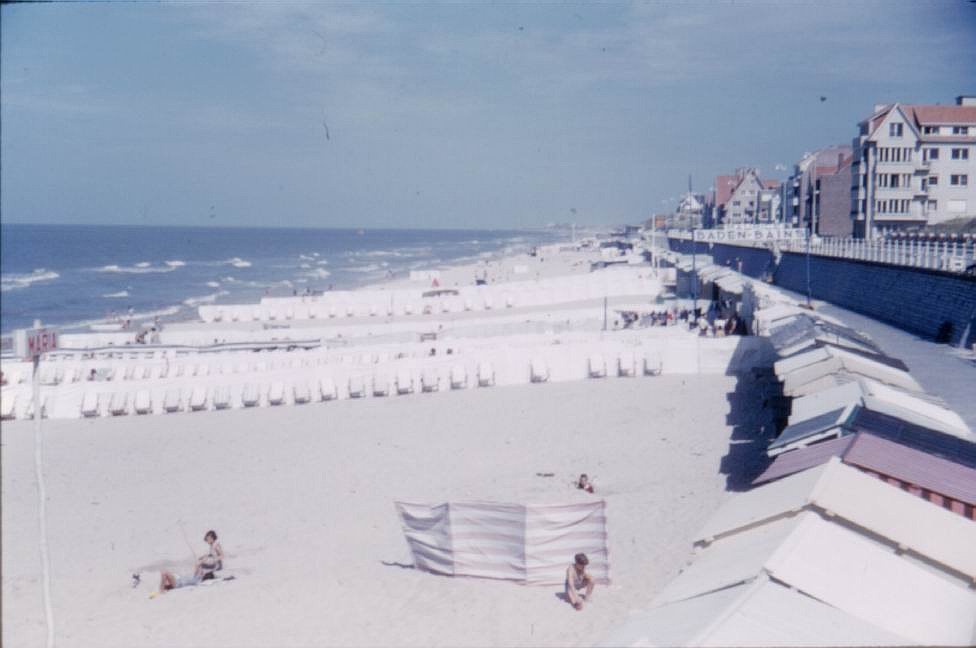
(303, 500)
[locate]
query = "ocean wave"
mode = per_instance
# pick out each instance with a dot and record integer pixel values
(205, 299)
(322, 262)
(308, 257)
(18, 281)
(238, 262)
(176, 264)
(121, 293)
(213, 284)
(317, 273)
(372, 267)
(400, 252)
(132, 317)
(304, 266)
(139, 268)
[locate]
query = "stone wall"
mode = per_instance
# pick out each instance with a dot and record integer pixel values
(920, 301)
(931, 303)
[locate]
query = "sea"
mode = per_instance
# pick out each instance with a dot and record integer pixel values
(73, 276)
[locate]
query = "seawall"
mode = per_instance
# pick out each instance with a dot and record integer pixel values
(931, 303)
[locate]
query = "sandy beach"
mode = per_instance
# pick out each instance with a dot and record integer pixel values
(302, 498)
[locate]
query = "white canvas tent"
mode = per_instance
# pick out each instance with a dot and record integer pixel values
(530, 544)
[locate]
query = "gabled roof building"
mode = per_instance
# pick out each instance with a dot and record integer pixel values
(914, 165)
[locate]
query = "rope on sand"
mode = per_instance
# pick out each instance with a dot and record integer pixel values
(42, 512)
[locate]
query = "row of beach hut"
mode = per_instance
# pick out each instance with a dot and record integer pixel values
(860, 530)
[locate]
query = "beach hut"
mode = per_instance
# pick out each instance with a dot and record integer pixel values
(89, 404)
(301, 394)
(198, 398)
(381, 385)
(842, 566)
(119, 403)
(357, 387)
(459, 377)
(328, 390)
(222, 397)
(761, 612)
(404, 382)
(626, 364)
(596, 366)
(172, 401)
(943, 482)
(143, 402)
(486, 374)
(429, 380)
(652, 363)
(276, 393)
(251, 395)
(8, 402)
(538, 371)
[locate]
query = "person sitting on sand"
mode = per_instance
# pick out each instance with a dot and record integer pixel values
(204, 569)
(214, 560)
(584, 483)
(577, 579)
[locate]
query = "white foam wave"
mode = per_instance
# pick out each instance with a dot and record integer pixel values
(317, 273)
(121, 293)
(372, 267)
(132, 317)
(205, 299)
(139, 268)
(176, 264)
(304, 265)
(213, 284)
(322, 262)
(307, 257)
(143, 264)
(18, 281)
(238, 262)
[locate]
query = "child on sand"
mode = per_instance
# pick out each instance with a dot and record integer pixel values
(577, 579)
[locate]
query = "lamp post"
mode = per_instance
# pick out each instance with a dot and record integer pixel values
(694, 273)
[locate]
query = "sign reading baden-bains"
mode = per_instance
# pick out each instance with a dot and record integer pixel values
(31, 343)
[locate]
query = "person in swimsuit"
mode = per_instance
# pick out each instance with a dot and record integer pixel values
(213, 560)
(578, 580)
(584, 483)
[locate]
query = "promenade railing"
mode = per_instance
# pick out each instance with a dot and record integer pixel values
(935, 254)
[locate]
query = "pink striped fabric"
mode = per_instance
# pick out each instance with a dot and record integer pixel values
(530, 544)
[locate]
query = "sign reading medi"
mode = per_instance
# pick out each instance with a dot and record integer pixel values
(30, 343)
(757, 233)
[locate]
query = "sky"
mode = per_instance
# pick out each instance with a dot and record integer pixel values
(453, 115)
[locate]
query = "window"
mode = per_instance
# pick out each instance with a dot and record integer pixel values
(960, 130)
(736, 203)
(960, 154)
(932, 154)
(933, 181)
(933, 205)
(895, 180)
(895, 129)
(930, 130)
(959, 180)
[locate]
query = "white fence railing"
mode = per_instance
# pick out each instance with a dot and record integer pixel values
(946, 255)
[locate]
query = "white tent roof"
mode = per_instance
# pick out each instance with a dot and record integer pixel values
(844, 569)
(842, 361)
(864, 501)
(828, 400)
(762, 613)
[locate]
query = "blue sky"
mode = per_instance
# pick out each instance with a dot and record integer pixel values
(439, 115)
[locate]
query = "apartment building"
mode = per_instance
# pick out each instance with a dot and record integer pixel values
(818, 195)
(744, 197)
(914, 165)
